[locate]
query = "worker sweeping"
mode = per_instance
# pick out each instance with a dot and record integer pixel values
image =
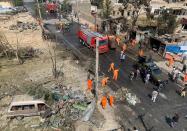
(104, 102)
(115, 74)
(111, 100)
(90, 84)
(111, 68)
(104, 81)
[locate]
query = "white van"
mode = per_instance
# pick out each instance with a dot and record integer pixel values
(23, 108)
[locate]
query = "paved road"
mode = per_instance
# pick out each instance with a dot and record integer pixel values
(155, 113)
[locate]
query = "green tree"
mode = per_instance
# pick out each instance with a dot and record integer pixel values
(18, 2)
(66, 7)
(166, 23)
(42, 10)
(106, 9)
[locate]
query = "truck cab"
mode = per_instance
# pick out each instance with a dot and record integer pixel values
(88, 38)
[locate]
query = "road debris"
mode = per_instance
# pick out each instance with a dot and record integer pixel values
(21, 26)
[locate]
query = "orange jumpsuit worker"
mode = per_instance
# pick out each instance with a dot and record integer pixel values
(104, 102)
(133, 43)
(111, 101)
(90, 84)
(171, 62)
(185, 78)
(124, 48)
(141, 53)
(104, 81)
(111, 67)
(117, 40)
(115, 75)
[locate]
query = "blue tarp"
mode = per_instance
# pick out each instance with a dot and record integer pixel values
(176, 49)
(173, 49)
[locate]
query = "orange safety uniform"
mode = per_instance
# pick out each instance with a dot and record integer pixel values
(111, 100)
(117, 40)
(185, 78)
(90, 84)
(141, 52)
(104, 81)
(104, 102)
(124, 48)
(111, 67)
(115, 75)
(133, 43)
(171, 62)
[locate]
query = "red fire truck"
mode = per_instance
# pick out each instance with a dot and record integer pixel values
(88, 38)
(51, 7)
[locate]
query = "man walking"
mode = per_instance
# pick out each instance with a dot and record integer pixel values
(104, 81)
(111, 68)
(174, 120)
(137, 74)
(115, 75)
(147, 78)
(90, 84)
(104, 102)
(154, 95)
(184, 68)
(122, 56)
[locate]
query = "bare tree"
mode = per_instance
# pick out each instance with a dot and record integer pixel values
(106, 8)
(17, 53)
(138, 5)
(52, 54)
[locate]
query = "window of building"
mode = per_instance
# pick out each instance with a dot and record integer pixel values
(113, 12)
(128, 13)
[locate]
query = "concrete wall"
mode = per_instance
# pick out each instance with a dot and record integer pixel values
(5, 4)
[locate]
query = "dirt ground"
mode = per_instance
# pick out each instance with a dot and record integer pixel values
(26, 38)
(15, 79)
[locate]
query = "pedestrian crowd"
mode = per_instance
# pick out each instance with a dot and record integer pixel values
(136, 74)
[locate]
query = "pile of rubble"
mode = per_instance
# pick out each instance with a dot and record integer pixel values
(125, 95)
(21, 26)
(69, 107)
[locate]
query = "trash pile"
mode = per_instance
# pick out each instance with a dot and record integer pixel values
(132, 99)
(124, 95)
(21, 26)
(69, 107)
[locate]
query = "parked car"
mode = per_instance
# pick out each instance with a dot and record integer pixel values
(21, 9)
(157, 76)
(24, 108)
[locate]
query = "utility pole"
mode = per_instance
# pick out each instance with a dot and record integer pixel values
(77, 6)
(95, 22)
(39, 10)
(97, 68)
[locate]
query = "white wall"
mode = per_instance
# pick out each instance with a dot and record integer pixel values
(28, 0)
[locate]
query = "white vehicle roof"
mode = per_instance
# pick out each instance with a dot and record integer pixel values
(24, 99)
(26, 102)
